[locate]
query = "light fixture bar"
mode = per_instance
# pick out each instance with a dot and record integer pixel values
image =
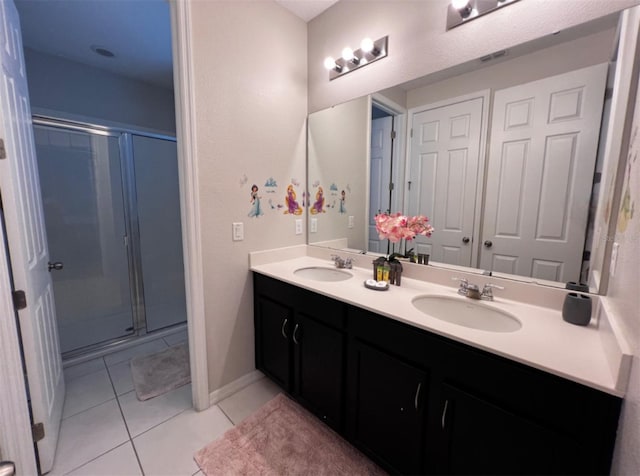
(361, 57)
(471, 10)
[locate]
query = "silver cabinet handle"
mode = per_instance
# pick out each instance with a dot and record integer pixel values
(284, 324)
(415, 400)
(295, 329)
(444, 413)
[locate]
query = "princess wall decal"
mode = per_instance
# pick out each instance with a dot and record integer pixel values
(292, 206)
(256, 210)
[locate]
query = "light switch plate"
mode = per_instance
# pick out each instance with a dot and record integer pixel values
(350, 225)
(298, 226)
(238, 231)
(314, 225)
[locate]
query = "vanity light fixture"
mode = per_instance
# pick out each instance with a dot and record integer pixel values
(351, 60)
(461, 11)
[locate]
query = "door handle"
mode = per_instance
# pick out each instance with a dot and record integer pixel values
(58, 265)
(415, 400)
(488, 243)
(444, 413)
(465, 240)
(7, 468)
(284, 324)
(295, 330)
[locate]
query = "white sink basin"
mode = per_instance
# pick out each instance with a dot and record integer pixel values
(467, 313)
(320, 273)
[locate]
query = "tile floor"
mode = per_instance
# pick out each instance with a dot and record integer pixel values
(106, 431)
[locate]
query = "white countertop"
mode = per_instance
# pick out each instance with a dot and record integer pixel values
(544, 341)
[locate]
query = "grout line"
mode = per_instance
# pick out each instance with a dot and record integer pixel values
(124, 420)
(224, 413)
(95, 458)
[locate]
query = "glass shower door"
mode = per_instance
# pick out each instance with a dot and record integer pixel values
(158, 207)
(82, 192)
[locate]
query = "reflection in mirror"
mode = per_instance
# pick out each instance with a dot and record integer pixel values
(503, 155)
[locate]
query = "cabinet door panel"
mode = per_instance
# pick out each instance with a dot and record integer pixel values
(274, 323)
(389, 416)
(319, 369)
(482, 438)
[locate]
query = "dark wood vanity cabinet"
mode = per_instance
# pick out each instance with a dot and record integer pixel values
(418, 403)
(300, 344)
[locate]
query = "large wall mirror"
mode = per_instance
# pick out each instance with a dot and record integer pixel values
(504, 155)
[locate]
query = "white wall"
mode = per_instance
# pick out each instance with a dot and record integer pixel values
(569, 56)
(624, 294)
(250, 90)
(419, 43)
(85, 93)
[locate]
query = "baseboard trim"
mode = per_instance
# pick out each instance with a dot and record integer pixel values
(233, 387)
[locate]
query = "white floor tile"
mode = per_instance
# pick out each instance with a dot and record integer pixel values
(243, 403)
(142, 349)
(84, 368)
(87, 391)
(141, 416)
(121, 461)
(168, 448)
(176, 338)
(121, 377)
(89, 434)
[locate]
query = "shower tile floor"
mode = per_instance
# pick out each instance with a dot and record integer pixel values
(107, 431)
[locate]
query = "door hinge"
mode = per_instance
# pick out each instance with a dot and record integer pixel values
(19, 300)
(37, 429)
(393, 135)
(3, 151)
(411, 132)
(391, 186)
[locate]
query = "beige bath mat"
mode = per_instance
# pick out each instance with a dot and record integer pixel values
(159, 373)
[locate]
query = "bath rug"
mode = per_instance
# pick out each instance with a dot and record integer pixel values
(161, 372)
(282, 438)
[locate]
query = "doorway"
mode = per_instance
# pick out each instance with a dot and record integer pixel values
(111, 206)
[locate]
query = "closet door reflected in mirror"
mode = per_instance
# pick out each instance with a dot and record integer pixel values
(82, 194)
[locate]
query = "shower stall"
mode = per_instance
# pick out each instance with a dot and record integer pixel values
(112, 214)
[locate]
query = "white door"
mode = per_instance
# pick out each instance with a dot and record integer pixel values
(544, 140)
(27, 240)
(380, 173)
(443, 175)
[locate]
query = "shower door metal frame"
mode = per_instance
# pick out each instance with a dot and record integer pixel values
(132, 229)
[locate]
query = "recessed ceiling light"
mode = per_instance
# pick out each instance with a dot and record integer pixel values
(102, 51)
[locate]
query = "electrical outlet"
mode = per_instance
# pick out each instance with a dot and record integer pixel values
(298, 226)
(238, 231)
(314, 225)
(350, 221)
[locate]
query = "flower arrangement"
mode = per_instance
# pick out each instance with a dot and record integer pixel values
(396, 227)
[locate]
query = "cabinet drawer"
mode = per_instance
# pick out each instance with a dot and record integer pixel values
(389, 335)
(321, 308)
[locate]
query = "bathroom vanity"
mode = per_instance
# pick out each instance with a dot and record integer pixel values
(423, 396)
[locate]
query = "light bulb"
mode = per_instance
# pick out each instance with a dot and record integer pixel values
(460, 4)
(329, 63)
(367, 45)
(347, 54)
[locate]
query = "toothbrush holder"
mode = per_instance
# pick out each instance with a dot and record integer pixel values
(577, 309)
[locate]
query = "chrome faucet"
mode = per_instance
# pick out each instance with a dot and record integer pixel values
(472, 291)
(342, 262)
(487, 291)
